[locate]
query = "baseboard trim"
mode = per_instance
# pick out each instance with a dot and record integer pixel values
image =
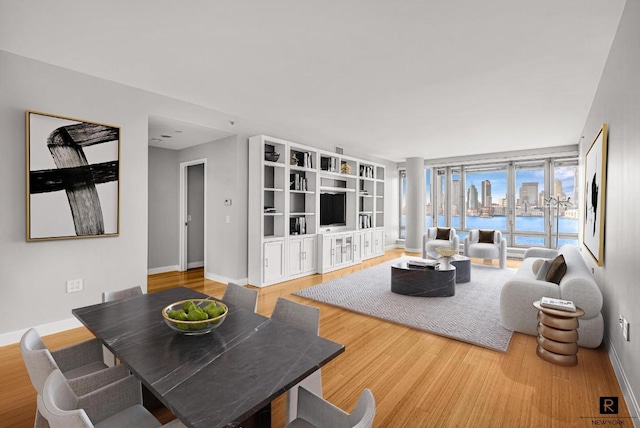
(224, 279)
(194, 265)
(162, 269)
(43, 330)
(623, 381)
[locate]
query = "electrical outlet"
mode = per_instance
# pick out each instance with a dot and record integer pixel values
(74, 285)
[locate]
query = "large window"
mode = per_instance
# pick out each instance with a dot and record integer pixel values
(565, 188)
(516, 197)
(530, 204)
(486, 197)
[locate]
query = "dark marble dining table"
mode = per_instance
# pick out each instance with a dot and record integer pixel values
(223, 378)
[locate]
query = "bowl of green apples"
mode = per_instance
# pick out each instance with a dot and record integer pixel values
(195, 316)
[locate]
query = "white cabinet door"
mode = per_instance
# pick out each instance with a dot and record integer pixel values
(367, 243)
(347, 249)
(273, 261)
(295, 256)
(358, 237)
(308, 263)
(378, 241)
(328, 252)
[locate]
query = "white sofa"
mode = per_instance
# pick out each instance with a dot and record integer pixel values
(517, 312)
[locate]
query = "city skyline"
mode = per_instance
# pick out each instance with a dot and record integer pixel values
(498, 180)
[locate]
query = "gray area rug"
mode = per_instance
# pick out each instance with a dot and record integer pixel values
(472, 315)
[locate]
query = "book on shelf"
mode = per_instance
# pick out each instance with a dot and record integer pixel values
(562, 305)
(269, 209)
(297, 226)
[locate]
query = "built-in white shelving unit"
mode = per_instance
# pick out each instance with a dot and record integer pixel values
(310, 210)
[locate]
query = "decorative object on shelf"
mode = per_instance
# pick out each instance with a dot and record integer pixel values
(62, 198)
(345, 168)
(294, 159)
(271, 156)
(445, 256)
(595, 179)
(558, 201)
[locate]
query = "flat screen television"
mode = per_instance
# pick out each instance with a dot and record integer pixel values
(333, 209)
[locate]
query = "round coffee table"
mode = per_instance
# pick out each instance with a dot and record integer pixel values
(422, 282)
(557, 335)
(462, 264)
(463, 268)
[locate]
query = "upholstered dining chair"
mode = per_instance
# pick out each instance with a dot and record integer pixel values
(241, 296)
(486, 244)
(82, 364)
(111, 296)
(314, 411)
(305, 318)
(116, 405)
(437, 237)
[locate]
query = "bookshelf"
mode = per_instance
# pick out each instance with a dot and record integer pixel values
(287, 237)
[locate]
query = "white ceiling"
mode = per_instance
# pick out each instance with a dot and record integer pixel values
(173, 134)
(393, 79)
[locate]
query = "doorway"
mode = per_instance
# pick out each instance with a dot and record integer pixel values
(193, 248)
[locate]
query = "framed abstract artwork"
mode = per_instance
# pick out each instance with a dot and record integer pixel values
(595, 184)
(73, 178)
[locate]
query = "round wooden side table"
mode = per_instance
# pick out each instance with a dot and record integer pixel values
(557, 335)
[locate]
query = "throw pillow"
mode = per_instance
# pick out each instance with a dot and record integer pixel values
(486, 236)
(536, 265)
(557, 269)
(542, 271)
(443, 233)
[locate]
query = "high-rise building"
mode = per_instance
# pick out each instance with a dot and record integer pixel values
(486, 193)
(528, 194)
(455, 197)
(472, 199)
(557, 190)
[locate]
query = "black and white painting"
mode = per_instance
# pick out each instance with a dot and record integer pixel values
(72, 178)
(595, 181)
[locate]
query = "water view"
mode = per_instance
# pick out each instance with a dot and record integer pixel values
(523, 225)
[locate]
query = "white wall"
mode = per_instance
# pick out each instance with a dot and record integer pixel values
(33, 275)
(617, 103)
(226, 258)
(164, 204)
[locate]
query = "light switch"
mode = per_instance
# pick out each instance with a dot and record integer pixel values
(188, 217)
(227, 219)
(227, 202)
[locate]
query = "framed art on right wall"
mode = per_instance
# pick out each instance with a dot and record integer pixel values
(595, 183)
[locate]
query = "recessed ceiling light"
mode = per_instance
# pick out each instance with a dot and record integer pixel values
(177, 131)
(165, 136)
(156, 139)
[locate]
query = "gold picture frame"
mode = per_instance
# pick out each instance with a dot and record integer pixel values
(73, 178)
(595, 183)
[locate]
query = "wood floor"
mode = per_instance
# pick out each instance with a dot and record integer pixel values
(418, 379)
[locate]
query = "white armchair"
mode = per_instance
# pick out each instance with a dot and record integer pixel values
(486, 244)
(439, 237)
